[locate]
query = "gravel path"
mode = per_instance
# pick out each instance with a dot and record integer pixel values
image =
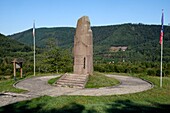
(38, 86)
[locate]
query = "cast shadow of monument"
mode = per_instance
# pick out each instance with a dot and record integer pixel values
(24, 107)
(119, 106)
(127, 106)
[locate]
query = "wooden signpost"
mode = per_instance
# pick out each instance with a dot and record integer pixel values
(17, 64)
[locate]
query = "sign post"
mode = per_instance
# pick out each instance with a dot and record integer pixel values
(17, 64)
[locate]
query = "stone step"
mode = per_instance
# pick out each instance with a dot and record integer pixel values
(65, 81)
(66, 78)
(75, 77)
(72, 81)
(77, 84)
(71, 86)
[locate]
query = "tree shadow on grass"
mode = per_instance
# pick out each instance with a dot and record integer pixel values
(25, 107)
(127, 106)
(119, 106)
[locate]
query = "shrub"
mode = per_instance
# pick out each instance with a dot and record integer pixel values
(99, 67)
(167, 73)
(151, 72)
(158, 72)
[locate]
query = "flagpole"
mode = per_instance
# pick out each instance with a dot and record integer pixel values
(34, 44)
(161, 65)
(161, 42)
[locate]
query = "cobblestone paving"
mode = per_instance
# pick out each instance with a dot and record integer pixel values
(38, 86)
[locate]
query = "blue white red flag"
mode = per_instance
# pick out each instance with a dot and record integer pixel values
(162, 28)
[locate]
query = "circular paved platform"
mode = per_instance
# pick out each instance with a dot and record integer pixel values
(38, 86)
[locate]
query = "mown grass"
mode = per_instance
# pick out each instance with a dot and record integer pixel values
(98, 80)
(53, 80)
(7, 86)
(154, 100)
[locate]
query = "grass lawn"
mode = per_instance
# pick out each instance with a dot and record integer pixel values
(53, 80)
(95, 81)
(155, 100)
(7, 86)
(100, 80)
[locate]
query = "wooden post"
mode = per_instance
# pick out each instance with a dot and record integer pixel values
(21, 72)
(14, 64)
(17, 64)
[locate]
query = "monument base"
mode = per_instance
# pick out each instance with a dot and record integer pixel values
(72, 81)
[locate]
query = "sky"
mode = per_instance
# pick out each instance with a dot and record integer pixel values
(18, 15)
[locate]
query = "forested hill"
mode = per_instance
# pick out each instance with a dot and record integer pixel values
(63, 36)
(9, 46)
(142, 40)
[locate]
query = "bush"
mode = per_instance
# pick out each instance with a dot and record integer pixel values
(109, 68)
(167, 73)
(8, 71)
(119, 69)
(99, 67)
(151, 72)
(158, 72)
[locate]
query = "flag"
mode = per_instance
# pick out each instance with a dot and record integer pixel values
(33, 32)
(162, 28)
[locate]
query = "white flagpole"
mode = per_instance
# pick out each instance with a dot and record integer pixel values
(34, 44)
(161, 65)
(161, 42)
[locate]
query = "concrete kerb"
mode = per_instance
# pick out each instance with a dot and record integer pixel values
(104, 88)
(14, 85)
(56, 91)
(152, 85)
(111, 90)
(120, 82)
(133, 77)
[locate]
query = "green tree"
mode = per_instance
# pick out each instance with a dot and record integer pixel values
(58, 60)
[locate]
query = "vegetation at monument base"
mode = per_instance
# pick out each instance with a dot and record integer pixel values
(54, 50)
(156, 100)
(98, 80)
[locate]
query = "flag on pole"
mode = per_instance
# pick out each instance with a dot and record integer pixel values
(33, 32)
(161, 42)
(162, 28)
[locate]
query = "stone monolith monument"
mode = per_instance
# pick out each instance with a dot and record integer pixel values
(83, 47)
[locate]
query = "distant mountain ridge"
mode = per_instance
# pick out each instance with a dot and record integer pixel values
(139, 38)
(61, 34)
(9, 46)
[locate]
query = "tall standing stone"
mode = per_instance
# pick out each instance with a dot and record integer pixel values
(83, 47)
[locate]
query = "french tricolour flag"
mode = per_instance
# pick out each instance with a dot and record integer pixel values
(162, 28)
